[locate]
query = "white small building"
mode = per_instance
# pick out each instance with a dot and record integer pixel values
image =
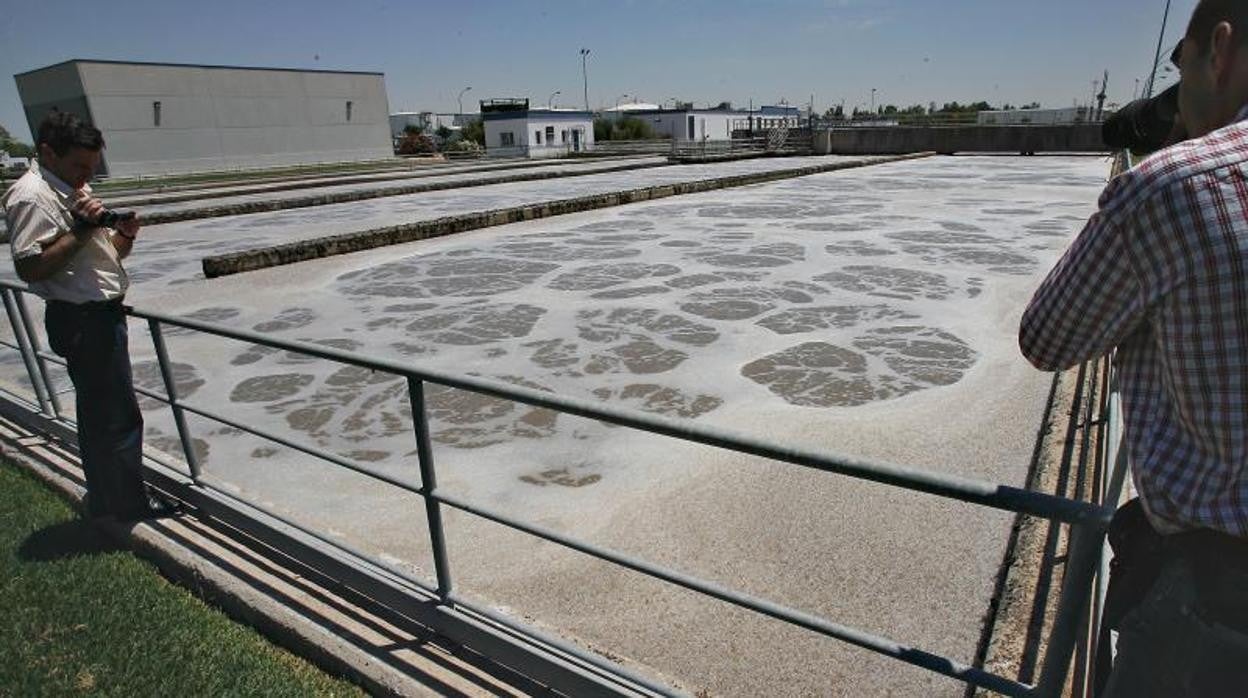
(8, 162)
(512, 129)
(695, 125)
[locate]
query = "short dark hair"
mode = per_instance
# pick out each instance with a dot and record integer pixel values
(1209, 13)
(61, 130)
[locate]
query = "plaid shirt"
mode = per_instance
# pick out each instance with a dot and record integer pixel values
(1161, 273)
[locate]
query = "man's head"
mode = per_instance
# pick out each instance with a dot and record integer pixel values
(69, 148)
(1214, 65)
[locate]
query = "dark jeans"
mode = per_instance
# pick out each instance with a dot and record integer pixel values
(93, 340)
(1181, 610)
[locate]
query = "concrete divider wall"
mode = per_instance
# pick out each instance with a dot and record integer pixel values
(261, 258)
(246, 207)
(1075, 138)
(261, 187)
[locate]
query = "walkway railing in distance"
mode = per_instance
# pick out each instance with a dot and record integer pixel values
(556, 662)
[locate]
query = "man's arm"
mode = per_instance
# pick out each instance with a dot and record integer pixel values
(1091, 301)
(51, 260)
(40, 247)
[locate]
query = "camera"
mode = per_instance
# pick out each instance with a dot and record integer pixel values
(110, 218)
(1143, 125)
(107, 219)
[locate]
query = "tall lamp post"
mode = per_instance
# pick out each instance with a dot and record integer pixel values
(1157, 56)
(460, 99)
(585, 76)
(550, 100)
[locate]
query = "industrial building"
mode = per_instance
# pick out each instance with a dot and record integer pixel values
(689, 125)
(162, 118)
(512, 129)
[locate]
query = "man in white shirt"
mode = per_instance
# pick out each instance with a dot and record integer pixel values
(74, 263)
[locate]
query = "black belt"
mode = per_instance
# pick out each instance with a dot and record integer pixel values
(112, 304)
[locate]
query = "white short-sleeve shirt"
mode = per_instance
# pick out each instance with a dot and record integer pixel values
(37, 209)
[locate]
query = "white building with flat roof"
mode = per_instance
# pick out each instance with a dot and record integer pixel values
(694, 125)
(512, 129)
(162, 118)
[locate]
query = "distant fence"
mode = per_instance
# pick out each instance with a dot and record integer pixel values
(864, 140)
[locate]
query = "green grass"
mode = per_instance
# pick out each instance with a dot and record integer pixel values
(78, 616)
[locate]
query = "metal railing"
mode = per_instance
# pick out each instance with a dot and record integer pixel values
(1087, 521)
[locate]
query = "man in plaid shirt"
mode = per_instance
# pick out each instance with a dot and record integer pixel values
(1160, 273)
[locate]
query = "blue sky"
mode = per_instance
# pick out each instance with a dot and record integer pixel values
(911, 51)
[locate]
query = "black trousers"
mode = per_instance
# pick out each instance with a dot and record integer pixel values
(1180, 606)
(94, 341)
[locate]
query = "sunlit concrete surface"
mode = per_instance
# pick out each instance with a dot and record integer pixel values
(871, 312)
(454, 175)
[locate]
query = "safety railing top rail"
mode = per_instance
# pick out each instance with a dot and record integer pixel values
(1088, 520)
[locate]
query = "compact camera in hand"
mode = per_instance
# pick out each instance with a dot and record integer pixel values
(107, 219)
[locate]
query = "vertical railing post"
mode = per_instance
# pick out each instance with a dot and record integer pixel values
(23, 343)
(429, 485)
(33, 337)
(171, 389)
(1081, 563)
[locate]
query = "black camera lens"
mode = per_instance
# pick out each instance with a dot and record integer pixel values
(110, 218)
(1143, 125)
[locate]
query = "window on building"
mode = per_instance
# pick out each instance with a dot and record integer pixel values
(349, 104)
(155, 113)
(550, 134)
(564, 135)
(537, 136)
(506, 139)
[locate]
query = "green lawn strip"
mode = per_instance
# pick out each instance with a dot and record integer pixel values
(82, 617)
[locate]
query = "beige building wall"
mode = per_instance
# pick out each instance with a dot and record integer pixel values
(174, 118)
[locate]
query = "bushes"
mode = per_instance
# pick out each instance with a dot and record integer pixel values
(416, 143)
(628, 128)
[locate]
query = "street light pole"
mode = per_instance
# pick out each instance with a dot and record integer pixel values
(460, 99)
(585, 76)
(552, 98)
(1157, 56)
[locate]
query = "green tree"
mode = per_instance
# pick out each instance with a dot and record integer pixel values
(628, 128)
(14, 147)
(473, 131)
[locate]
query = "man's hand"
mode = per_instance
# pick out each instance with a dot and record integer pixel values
(123, 241)
(87, 208)
(129, 226)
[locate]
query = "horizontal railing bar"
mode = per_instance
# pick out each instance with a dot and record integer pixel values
(47, 356)
(309, 450)
(369, 566)
(853, 636)
(948, 486)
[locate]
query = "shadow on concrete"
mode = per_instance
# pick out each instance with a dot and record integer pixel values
(396, 632)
